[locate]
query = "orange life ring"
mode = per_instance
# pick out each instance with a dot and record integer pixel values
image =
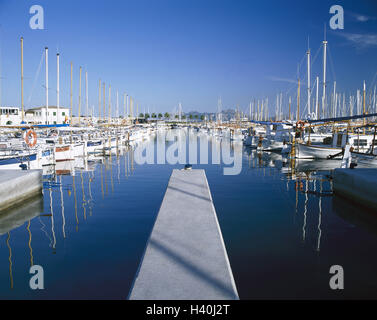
(31, 138)
(300, 125)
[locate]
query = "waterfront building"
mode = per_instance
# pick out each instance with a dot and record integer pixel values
(54, 116)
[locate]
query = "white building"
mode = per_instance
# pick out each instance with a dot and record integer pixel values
(10, 116)
(38, 115)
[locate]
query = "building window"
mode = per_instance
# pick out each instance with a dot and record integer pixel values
(54, 121)
(54, 113)
(63, 113)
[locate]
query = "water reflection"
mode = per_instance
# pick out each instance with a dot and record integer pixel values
(114, 201)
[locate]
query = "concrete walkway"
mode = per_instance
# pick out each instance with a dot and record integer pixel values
(18, 185)
(185, 257)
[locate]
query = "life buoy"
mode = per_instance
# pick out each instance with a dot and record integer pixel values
(31, 138)
(300, 125)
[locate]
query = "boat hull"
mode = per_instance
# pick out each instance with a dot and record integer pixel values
(304, 151)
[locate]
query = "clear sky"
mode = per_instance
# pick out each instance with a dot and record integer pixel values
(163, 52)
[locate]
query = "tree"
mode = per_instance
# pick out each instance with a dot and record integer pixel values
(167, 115)
(176, 116)
(190, 116)
(184, 117)
(141, 115)
(202, 117)
(160, 115)
(146, 116)
(196, 116)
(154, 115)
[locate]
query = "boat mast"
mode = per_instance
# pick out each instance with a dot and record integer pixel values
(104, 101)
(117, 114)
(316, 100)
(70, 95)
(335, 101)
(298, 101)
(364, 91)
(22, 80)
(46, 57)
(127, 107)
(86, 94)
(109, 104)
(124, 105)
(324, 74)
(57, 89)
(99, 100)
(80, 97)
(308, 60)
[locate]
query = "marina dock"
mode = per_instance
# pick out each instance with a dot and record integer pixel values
(358, 184)
(16, 186)
(185, 257)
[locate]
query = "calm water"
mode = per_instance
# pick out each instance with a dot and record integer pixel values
(282, 226)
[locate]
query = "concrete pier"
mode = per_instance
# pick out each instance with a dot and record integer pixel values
(358, 184)
(185, 258)
(18, 185)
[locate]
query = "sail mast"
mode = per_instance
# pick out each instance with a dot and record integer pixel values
(308, 88)
(316, 99)
(109, 104)
(80, 97)
(57, 89)
(364, 91)
(70, 94)
(99, 100)
(22, 80)
(46, 57)
(86, 94)
(298, 101)
(124, 105)
(324, 75)
(104, 101)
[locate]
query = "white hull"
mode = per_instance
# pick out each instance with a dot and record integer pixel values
(64, 153)
(304, 151)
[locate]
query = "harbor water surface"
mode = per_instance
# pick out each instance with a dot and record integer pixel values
(282, 226)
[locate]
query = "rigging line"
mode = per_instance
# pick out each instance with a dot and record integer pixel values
(35, 79)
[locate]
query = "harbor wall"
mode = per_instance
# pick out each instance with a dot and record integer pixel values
(17, 186)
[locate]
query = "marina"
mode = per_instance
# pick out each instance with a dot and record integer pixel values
(84, 228)
(188, 151)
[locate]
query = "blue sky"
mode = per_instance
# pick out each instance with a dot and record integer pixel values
(163, 52)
